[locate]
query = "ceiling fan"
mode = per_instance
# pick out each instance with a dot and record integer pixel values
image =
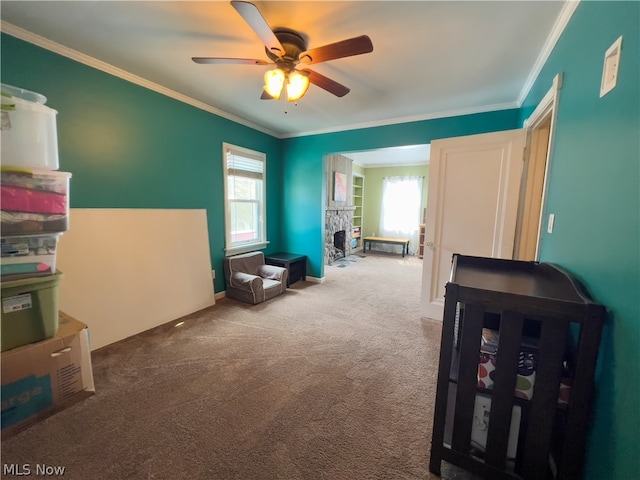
(287, 49)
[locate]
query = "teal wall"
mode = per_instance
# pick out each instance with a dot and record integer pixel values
(304, 183)
(129, 147)
(594, 192)
(373, 192)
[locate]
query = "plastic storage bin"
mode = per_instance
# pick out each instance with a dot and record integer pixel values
(28, 256)
(34, 201)
(29, 310)
(29, 130)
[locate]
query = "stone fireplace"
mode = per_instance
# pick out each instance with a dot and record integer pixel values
(337, 245)
(338, 220)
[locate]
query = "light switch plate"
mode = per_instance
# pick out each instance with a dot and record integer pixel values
(610, 68)
(552, 217)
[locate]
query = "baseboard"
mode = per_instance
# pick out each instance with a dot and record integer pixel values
(221, 294)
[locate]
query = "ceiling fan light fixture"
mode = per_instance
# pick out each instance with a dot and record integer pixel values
(297, 86)
(273, 82)
(286, 48)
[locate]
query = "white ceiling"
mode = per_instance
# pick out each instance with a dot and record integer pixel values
(430, 59)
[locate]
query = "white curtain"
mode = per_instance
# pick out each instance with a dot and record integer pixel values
(400, 213)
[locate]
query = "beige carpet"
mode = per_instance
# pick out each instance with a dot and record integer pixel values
(329, 381)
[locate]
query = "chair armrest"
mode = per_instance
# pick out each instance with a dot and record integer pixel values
(246, 281)
(271, 271)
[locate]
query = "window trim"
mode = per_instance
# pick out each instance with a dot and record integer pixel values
(262, 241)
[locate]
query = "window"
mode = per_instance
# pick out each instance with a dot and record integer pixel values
(400, 213)
(244, 198)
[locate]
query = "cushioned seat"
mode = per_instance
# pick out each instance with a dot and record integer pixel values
(250, 280)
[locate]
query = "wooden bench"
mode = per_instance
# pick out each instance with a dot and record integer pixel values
(390, 241)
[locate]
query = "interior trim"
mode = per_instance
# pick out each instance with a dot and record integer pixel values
(561, 23)
(414, 118)
(547, 108)
(220, 295)
(548, 102)
(54, 47)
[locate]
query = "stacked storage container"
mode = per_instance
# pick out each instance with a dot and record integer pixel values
(35, 213)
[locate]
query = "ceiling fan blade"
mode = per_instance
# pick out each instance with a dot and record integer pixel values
(238, 61)
(256, 21)
(345, 48)
(326, 83)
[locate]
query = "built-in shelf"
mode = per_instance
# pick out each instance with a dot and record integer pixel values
(357, 199)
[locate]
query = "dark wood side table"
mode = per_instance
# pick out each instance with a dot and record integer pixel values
(296, 264)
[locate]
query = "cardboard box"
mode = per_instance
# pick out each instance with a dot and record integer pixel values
(43, 378)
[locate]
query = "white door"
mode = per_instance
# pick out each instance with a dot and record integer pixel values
(472, 205)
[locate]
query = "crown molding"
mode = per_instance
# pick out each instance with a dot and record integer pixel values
(392, 165)
(414, 118)
(54, 47)
(561, 23)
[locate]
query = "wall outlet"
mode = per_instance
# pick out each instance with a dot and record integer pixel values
(213, 274)
(552, 218)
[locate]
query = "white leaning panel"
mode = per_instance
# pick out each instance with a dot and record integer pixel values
(129, 270)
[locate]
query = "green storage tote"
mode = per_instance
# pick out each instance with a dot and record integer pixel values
(29, 310)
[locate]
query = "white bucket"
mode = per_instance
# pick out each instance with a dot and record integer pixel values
(29, 132)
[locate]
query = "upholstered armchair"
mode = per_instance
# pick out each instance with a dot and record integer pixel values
(250, 280)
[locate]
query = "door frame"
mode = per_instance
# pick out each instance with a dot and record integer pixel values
(530, 225)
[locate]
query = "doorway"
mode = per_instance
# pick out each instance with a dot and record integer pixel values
(540, 128)
(486, 197)
(530, 208)
(472, 205)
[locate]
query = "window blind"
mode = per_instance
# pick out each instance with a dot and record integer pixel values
(241, 165)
